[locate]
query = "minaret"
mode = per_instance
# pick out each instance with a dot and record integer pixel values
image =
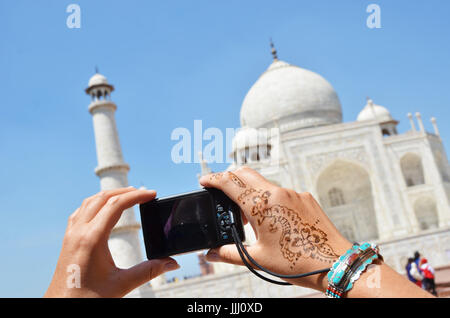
(419, 120)
(411, 122)
(124, 242)
(436, 130)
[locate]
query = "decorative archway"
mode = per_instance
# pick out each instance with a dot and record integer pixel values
(345, 194)
(412, 169)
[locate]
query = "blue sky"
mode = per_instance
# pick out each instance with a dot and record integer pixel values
(173, 62)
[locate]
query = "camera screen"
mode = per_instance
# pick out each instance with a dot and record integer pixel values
(179, 225)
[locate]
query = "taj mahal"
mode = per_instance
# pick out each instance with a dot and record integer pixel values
(375, 183)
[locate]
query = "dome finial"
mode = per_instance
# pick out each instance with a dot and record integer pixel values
(96, 69)
(372, 108)
(274, 51)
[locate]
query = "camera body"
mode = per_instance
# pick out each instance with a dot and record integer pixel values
(188, 222)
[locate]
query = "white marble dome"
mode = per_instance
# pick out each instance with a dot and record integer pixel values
(290, 97)
(373, 111)
(97, 79)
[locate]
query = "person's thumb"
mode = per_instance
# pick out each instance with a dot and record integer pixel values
(228, 254)
(147, 270)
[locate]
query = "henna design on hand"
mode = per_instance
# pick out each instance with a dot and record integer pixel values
(236, 180)
(298, 239)
(246, 193)
(216, 176)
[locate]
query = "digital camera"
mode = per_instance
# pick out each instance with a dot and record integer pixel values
(188, 222)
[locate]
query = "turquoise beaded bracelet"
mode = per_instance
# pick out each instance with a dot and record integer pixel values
(348, 268)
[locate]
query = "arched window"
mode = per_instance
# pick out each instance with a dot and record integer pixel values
(412, 170)
(345, 193)
(336, 197)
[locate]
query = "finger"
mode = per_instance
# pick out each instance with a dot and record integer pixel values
(239, 186)
(72, 218)
(228, 254)
(234, 183)
(147, 270)
(230, 184)
(92, 205)
(110, 213)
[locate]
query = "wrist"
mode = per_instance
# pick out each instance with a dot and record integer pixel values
(319, 282)
(340, 245)
(349, 267)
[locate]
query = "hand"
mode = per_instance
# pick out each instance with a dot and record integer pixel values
(293, 233)
(85, 244)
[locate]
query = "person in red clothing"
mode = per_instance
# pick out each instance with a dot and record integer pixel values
(428, 276)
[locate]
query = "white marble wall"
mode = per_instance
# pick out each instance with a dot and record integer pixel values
(239, 283)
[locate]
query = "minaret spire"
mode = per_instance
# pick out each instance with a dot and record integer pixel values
(419, 121)
(411, 121)
(274, 51)
(436, 130)
(112, 171)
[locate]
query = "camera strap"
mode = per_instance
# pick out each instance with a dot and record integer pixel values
(246, 258)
